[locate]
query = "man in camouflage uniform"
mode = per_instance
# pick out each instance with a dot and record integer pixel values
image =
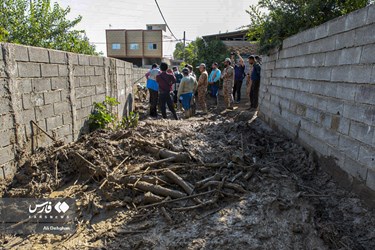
(202, 87)
(228, 77)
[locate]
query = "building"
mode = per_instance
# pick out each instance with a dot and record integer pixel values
(235, 41)
(140, 47)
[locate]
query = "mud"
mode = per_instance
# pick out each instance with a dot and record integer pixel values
(279, 198)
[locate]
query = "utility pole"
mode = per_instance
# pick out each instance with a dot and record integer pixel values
(184, 46)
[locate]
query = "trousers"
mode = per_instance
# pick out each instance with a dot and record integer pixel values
(154, 96)
(237, 90)
(254, 94)
(165, 99)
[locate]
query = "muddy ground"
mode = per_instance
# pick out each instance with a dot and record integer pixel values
(232, 183)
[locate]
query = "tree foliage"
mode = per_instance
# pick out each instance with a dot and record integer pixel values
(285, 18)
(201, 51)
(39, 23)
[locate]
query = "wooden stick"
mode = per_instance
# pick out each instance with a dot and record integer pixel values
(155, 163)
(179, 181)
(91, 166)
(45, 132)
(156, 189)
(166, 215)
(178, 199)
(226, 185)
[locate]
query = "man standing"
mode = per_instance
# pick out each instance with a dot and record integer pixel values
(178, 76)
(186, 91)
(153, 87)
(228, 77)
(213, 79)
(255, 79)
(202, 87)
(239, 75)
(165, 81)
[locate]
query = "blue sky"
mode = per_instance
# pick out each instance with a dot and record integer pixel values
(196, 17)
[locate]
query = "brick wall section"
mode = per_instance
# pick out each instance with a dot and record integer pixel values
(56, 90)
(320, 89)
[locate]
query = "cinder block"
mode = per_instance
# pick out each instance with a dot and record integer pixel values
(120, 71)
(1, 52)
(29, 101)
(360, 112)
(340, 74)
(99, 71)
(63, 70)
(355, 169)
(83, 113)
(84, 81)
(41, 84)
(365, 35)
(96, 61)
(365, 94)
(349, 146)
(67, 118)
(371, 14)
(79, 71)
(52, 97)
(2, 70)
(54, 122)
(89, 70)
(83, 60)
(335, 106)
(96, 80)
(344, 126)
(360, 73)
(316, 144)
(21, 53)
(356, 19)
(58, 57)
(38, 55)
(345, 40)
(27, 116)
(63, 131)
(85, 91)
(350, 56)
(100, 89)
(321, 31)
(86, 102)
(24, 85)
(6, 154)
(361, 132)
(373, 75)
(59, 83)
(346, 91)
(336, 25)
(367, 156)
(6, 137)
(4, 105)
(28, 70)
(368, 54)
(49, 70)
(6, 121)
(43, 112)
(370, 181)
(61, 107)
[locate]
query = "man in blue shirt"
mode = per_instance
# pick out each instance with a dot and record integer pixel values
(153, 88)
(239, 75)
(214, 79)
(255, 78)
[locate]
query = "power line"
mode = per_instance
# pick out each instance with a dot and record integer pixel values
(161, 13)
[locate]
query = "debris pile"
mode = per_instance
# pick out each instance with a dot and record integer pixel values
(185, 177)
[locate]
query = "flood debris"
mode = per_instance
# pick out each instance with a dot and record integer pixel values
(222, 181)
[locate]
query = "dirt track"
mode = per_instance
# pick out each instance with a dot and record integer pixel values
(267, 192)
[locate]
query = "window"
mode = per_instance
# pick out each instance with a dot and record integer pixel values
(116, 46)
(134, 46)
(152, 46)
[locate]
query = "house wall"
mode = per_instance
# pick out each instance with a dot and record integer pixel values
(56, 90)
(320, 90)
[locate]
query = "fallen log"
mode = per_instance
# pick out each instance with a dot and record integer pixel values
(215, 177)
(164, 154)
(151, 198)
(179, 181)
(233, 186)
(156, 189)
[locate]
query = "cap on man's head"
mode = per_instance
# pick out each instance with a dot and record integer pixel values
(202, 64)
(251, 57)
(227, 60)
(216, 64)
(185, 71)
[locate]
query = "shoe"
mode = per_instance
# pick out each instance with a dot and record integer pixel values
(248, 103)
(230, 108)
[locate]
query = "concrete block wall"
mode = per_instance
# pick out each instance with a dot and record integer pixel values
(320, 90)
(56, 90)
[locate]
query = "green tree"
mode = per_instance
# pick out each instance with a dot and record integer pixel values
(285, 18)
(39, 23)
(201, 51)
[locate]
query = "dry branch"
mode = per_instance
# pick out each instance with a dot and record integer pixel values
(179, 181)
(156, 189)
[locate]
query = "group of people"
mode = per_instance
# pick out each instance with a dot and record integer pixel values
(162, 81)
